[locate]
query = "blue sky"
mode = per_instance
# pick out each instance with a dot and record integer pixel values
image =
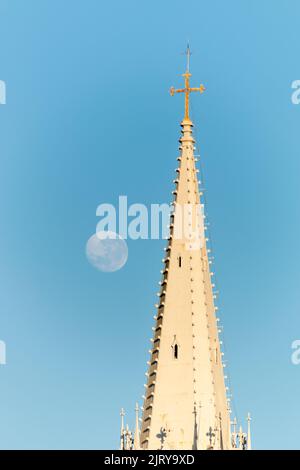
(88, 118)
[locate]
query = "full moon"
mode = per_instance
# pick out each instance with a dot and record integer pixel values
(107, 251)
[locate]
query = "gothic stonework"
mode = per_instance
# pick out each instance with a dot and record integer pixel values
(185, 403)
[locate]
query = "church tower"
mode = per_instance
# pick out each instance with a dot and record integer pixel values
(185, 403)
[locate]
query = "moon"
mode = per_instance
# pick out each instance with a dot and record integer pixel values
(107, 251)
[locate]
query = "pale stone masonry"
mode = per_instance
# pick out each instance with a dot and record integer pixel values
(185, 403)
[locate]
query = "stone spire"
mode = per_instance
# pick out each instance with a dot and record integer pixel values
(185, 367)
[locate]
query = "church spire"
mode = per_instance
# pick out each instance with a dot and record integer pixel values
(185, 402)
(186, 361)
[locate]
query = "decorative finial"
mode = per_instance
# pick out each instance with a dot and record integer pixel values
(241, 438)
(136, 442)
(187, 89)
(210, 434)
(128, 440)
(249, 447)
(122, 433)
(234, 434)
(199, 425)
(220, 431)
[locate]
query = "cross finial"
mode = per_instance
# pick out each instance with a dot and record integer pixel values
(187, 89)
(162, 436)
(210, 434)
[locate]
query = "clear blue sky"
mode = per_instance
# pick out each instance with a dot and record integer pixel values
(85, 79)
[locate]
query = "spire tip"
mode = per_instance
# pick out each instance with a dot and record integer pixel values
(188, 56)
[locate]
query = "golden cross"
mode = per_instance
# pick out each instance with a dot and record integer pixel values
(187, 89)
